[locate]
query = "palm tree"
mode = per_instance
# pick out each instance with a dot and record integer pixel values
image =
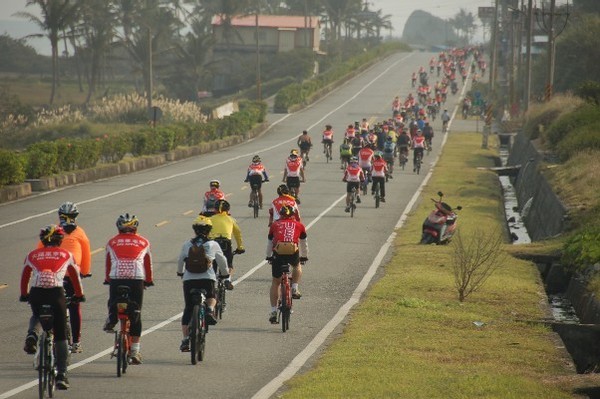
(56, 17)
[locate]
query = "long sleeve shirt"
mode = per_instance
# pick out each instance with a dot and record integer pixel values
(213, 252)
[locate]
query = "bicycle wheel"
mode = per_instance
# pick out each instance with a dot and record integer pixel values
(201, 337)
(220, 300)
(42, 360)
(121, 353)
(377, 197)
(418, 165)
(255, 203)
(352, 202)
(51, 367)
(194, 326)
(285, 308)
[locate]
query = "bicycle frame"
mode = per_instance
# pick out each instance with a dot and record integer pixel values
(255, 200)
(285, 299)
(45, 359)
(198, 326)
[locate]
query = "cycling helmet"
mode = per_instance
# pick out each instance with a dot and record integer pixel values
(377, 154)
(202, 225)
(419, 131)
(283, 190)
(287, 211)
(69, 209)
(222, 206)
(127, 223)
(389, 138)
(215, 184)
(353, 159)
(294, 153)
(52, 235)
(255, 159)
(328, 127)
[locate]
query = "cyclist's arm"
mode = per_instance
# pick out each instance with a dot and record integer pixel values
(219, 258)
(237, 234)
(303, 246)
(302, 174)
(284, 174)
(182, 256)
(86, 254)
(265, 175)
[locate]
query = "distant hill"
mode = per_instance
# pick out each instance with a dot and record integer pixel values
(424, 30)
(19, 29)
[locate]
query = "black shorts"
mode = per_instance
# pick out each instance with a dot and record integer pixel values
(54, 297)
(327, 142)
(225, 244)
(305, 146)
(281, 263)
(293, 181)
(255, 180)
(203, 284)
(351, 184)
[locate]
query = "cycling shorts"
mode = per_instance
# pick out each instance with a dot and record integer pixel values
(293, 181)
(305, 146)
(281, 263)
(255, 180)
(327, 142)
(351, 184)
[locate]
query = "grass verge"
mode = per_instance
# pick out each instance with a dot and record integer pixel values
(411, 338)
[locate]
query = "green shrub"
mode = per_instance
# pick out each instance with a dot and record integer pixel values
(42, 159)
(589, 91)
(582, 250)
(577, 140)
(541, 116)
(12, 168)
(567, 124)
(114, 147)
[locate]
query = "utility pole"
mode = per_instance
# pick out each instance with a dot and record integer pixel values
(150, 88)
(258, 88)
(494, 60)
(528, 67)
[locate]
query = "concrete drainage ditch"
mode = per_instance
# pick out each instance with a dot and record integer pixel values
(573, 310)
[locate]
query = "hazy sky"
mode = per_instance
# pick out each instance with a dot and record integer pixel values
(400, 10)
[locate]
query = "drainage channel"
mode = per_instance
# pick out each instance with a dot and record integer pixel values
(571, 305)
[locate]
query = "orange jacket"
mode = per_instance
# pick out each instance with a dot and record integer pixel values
(78, 244)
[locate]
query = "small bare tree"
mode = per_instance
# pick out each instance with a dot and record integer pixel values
(475, 258)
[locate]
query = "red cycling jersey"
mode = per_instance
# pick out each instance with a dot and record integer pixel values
(46, 268)
(328, 135)
(279, 202)
(128, 257)
(418, 142)
(365, 156)
(293, 167)
(286, 230)
(379, 167)
(353, 173)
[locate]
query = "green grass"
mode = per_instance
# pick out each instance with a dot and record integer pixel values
(411, 337)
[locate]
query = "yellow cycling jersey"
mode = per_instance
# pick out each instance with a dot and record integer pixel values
(224, 225)
(392, 134)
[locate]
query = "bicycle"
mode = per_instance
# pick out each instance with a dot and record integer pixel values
(403, 159)
(429, 146)
(377, 193)
(126, 311)
(418, 162)
(198, 325)
(285, 300)
(327, 151)
(365, 183)
(45, 357)
(254, 200)
(353, 197)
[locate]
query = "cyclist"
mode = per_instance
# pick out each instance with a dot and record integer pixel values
(365, 158)
(293, 173)
(364, 128)
(77, 243)
(396, 104)
(223, 228)
(418, 144)
(211, 197)
(345, 153)
(350, 132)
(286, 246)
(445, 119)
(353, 176)
(328, 140)
(284, 199)
(256, 174)
(403, 143)
(389, 150)
(380, 173)
(42, 283)
(128, 262)
(202, 227)
(428, 134)
(304, 143)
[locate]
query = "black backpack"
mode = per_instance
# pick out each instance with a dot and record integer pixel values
(197, 261)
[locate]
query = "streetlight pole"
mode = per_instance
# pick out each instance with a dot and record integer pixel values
(494, 49)
(258, 88)
(529, 40)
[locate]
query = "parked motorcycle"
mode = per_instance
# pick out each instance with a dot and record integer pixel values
(440, 225)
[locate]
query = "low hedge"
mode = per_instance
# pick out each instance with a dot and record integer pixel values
(68, 154)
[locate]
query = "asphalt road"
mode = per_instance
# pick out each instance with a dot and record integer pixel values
(244, 352)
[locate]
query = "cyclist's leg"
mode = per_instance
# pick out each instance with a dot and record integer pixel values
(74, 309)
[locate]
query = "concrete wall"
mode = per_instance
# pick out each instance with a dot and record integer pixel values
(546, 216)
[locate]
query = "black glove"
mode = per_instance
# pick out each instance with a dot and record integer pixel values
(269, 259)
(106, 282)
(148, 284)
(266, 180)
(85, 275)
(24, 298)
(77, 299)
(240, 251)
(246, 181)
(180, 274)
(303, 259)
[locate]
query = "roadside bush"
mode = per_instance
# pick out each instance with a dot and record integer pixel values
(41, 159)
(589, 91)
(541, 116)
(114, 147)
(582, 250)
(567, 124)
(577, 140)
(12, 168)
